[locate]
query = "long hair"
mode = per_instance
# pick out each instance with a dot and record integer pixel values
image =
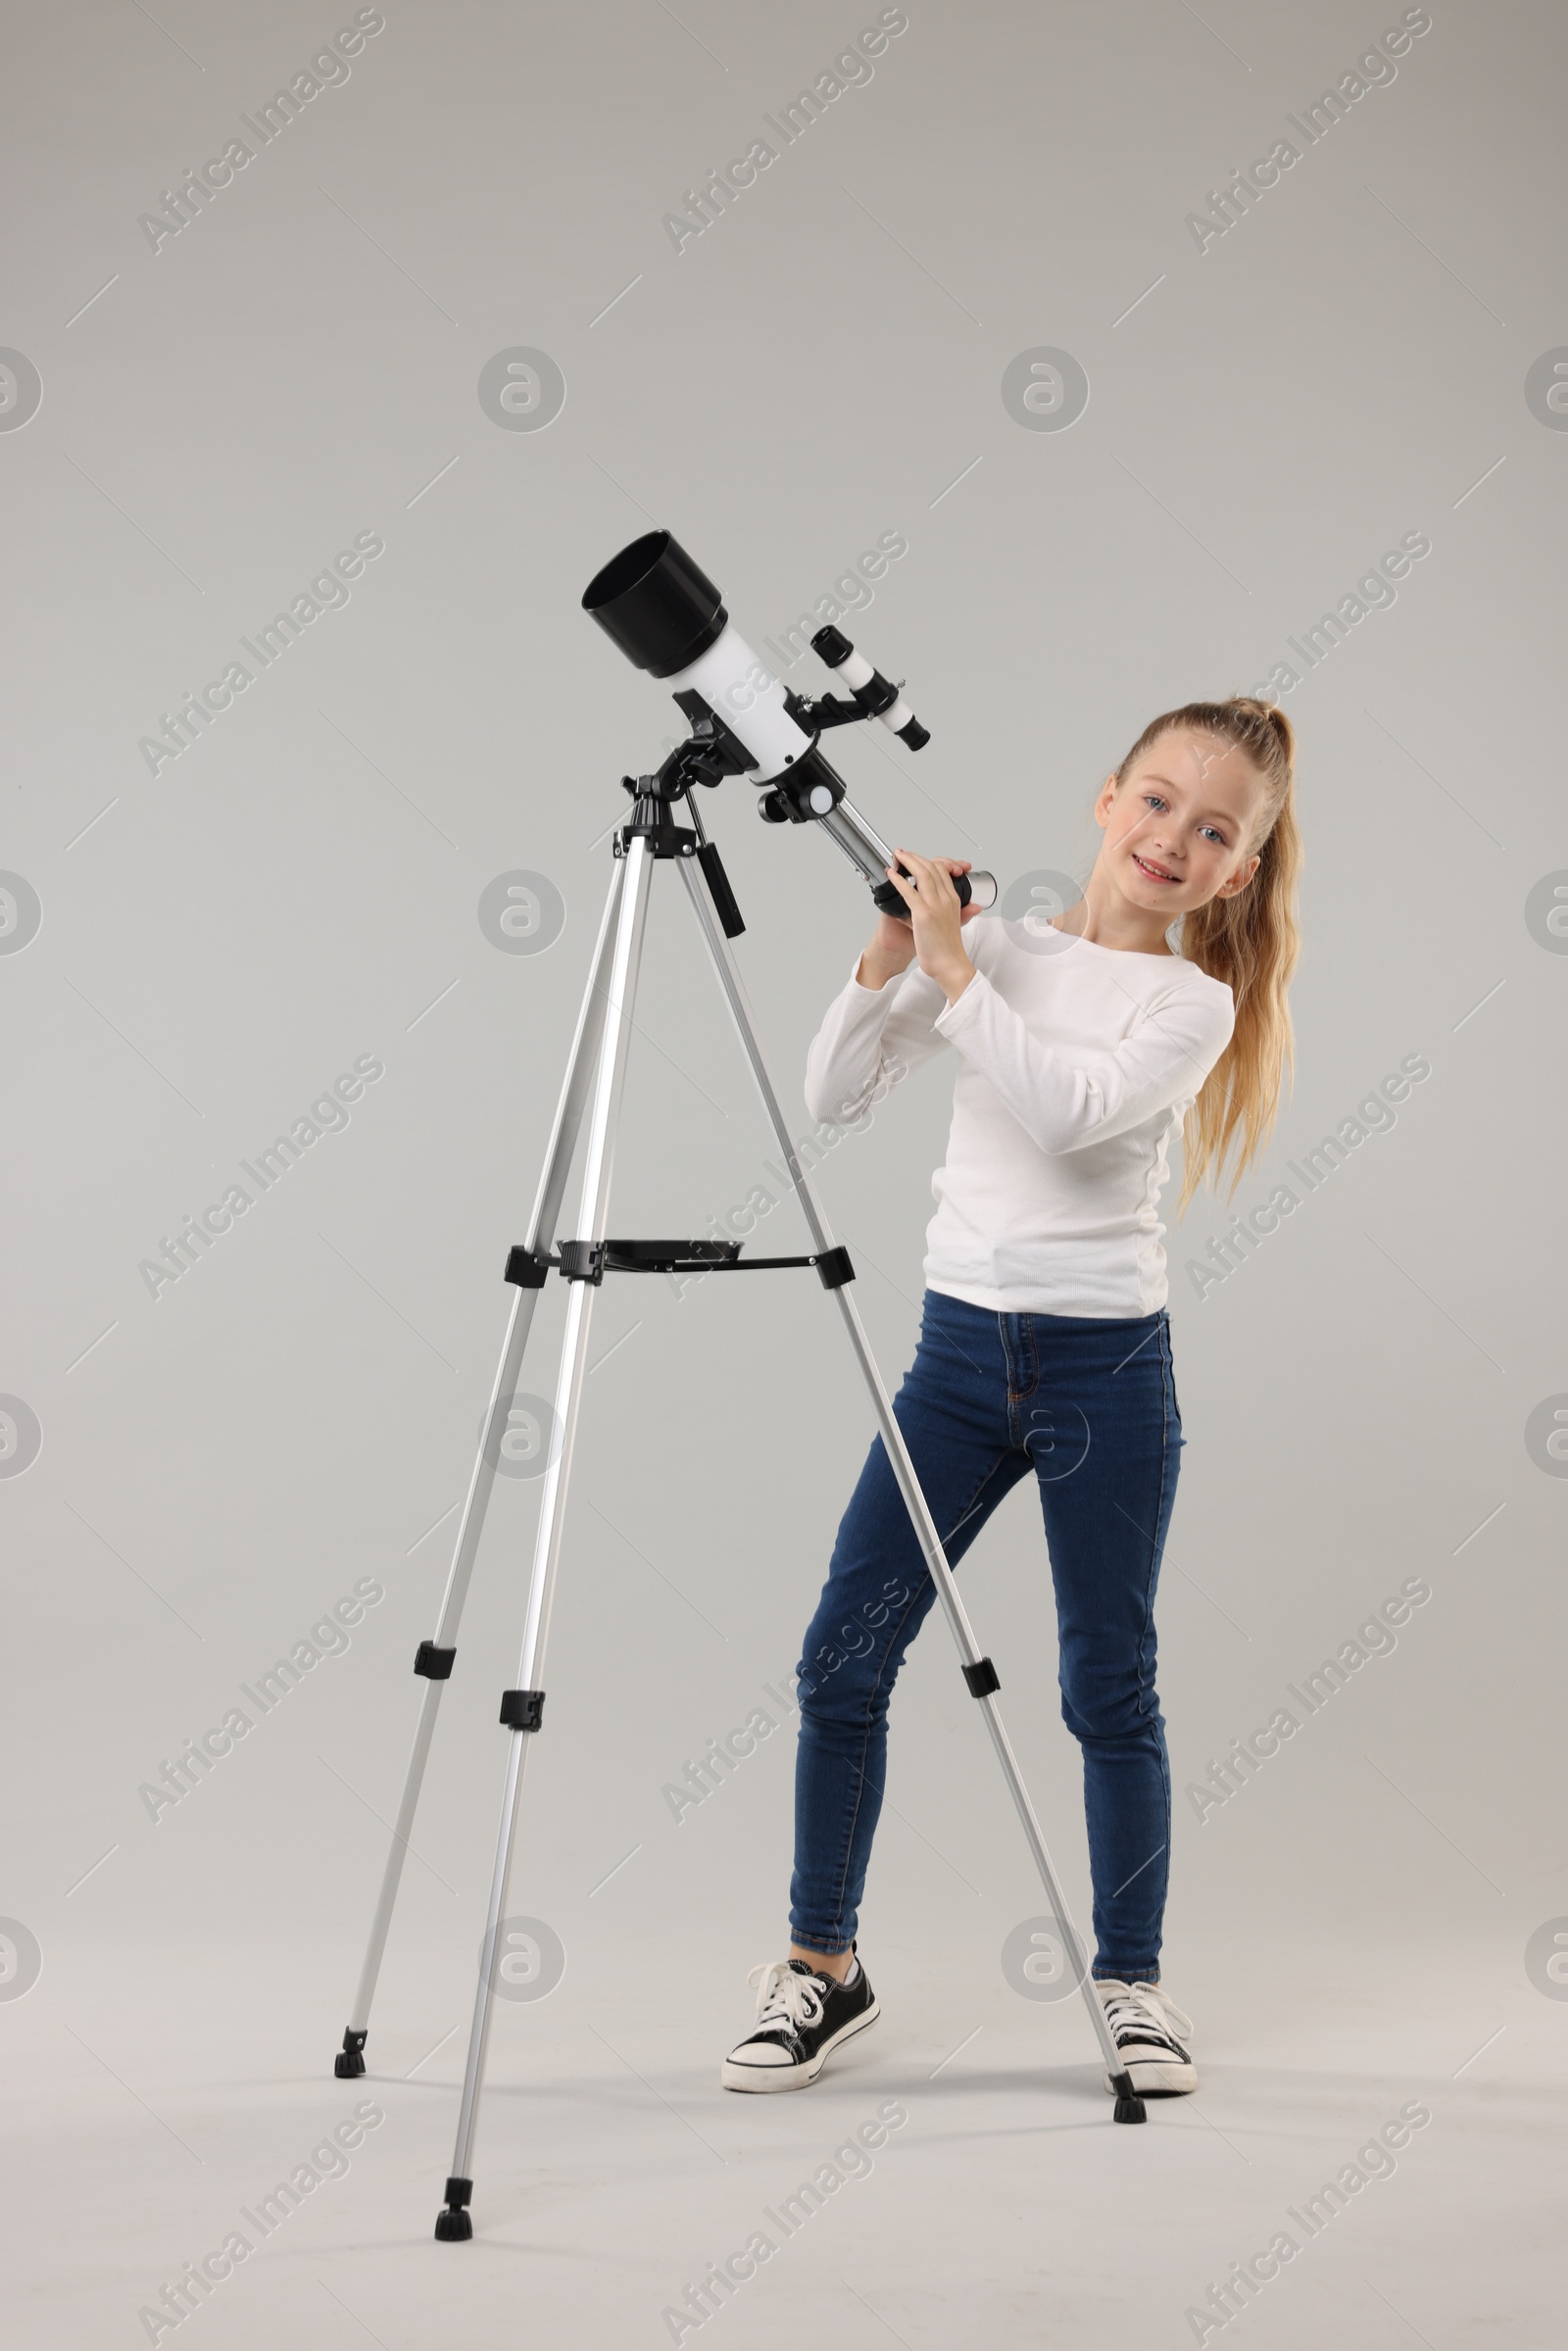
(1249, 941)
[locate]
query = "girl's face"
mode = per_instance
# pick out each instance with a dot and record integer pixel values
(1177, 829)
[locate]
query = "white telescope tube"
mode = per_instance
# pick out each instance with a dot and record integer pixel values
(743, 691)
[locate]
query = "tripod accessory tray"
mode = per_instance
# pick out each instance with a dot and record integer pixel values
(591, 1260)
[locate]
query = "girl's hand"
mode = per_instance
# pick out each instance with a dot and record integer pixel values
(891, 950)
(936, 918)
(891, 947)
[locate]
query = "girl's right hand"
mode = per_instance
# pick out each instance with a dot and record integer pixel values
(892, 945)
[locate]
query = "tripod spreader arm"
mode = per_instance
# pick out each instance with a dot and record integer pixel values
(591, 1260)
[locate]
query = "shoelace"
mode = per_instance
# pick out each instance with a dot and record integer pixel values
(783, 1996)
(1143, 2012)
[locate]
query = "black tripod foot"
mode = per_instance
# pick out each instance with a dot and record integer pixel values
(1129, 2106)
(453, 2226)
(349, 2063)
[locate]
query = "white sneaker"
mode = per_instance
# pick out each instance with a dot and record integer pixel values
(1152, 2034)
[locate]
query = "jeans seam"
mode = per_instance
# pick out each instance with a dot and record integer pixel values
(1155, 1538)
(1016, 1395)
(1167, 1396)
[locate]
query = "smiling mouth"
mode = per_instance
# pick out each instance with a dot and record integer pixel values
(1155, 873)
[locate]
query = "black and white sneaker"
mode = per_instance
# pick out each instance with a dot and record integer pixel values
(801, 2019)
(1152, 2034)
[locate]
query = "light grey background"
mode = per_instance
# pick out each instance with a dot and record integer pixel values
(301, 887)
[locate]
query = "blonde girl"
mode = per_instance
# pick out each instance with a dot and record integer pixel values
(1153, 1007)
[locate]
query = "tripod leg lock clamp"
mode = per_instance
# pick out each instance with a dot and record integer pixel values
(436, 1664)
(522, 1709)
(982, 1677)
(527, 1268)
(833, 1268)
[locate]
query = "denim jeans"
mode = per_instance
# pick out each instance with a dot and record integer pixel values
(1089, 1406)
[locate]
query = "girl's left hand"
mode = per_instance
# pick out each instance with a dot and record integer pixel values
(937, 917)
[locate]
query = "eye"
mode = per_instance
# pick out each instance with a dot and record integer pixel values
(1153, 800)
(1214, 833)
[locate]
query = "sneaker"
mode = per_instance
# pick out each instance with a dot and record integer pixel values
(1152, 2034)
(801, 2019)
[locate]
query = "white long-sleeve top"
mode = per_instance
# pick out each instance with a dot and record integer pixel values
(1076, 1065)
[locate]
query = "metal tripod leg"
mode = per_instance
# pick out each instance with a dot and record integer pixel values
(435, 1657)
(522, 1708)
(978, 1672)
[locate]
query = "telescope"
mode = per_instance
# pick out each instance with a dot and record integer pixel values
(667, 617)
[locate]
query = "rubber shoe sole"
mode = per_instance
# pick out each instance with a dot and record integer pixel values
(733, 2076)
(1159, 2077)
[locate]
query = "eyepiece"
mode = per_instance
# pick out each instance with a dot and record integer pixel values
(656, 604)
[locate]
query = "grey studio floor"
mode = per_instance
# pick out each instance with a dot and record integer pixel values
(612, 2171)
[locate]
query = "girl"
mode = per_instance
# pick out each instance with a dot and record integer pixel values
(1045, 1345)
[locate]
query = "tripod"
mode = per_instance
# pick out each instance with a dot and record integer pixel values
(594, 1084)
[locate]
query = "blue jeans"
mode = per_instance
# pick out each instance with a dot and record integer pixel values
(1089, 1406)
